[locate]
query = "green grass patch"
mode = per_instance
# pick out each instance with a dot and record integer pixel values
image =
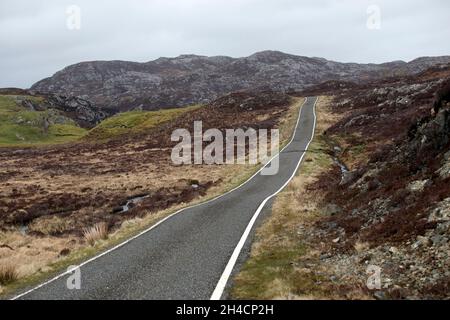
(317, 156)
(358, 149)
(12, 135)
(22, 127)
(261, 271)
(8, 104)
(134, 122)
(11, 103)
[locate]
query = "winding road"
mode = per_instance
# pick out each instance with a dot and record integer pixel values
(193, 253)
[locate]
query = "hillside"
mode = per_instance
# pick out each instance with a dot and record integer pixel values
(373, 189)
(22, 124)
(28, 118)
(189, 79)
(394, 199)
(133, 123)
(372, 195)
(50, 196)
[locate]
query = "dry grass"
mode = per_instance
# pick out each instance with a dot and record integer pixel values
(49, 225)
(95, 233)
(8, 274)
(30, 254)
(361, 246)
(33, 257)
(278, 267)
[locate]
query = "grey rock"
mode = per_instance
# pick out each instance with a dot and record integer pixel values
(325, 256)
(393, 250)
(418, 185)
(79, 109)
(441, 212)
(421, 242)
(438, 240)
(443, 228)
(187, 79)
(380, 295)
(447, 156)
(331, 209)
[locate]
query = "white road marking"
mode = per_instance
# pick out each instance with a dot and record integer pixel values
(158, 223)
(220, 287)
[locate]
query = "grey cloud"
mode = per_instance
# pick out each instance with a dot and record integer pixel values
(35, 42)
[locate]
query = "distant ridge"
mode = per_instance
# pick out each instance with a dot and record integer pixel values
(189, 79)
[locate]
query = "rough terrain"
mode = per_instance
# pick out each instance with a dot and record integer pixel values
(185, 256)
(191, 79)
(375, 194)
(51, 194)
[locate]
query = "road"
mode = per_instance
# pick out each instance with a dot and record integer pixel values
(194, 253)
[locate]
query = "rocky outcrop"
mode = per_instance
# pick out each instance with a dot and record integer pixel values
(431, 134)
(189, 79)
(395, 207)
(82, 111)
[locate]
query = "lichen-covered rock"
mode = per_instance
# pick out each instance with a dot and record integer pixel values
(441, 212)
(189, 79)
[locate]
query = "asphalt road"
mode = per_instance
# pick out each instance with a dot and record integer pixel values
(185, 256)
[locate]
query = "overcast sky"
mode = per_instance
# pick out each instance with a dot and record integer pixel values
(38, 38)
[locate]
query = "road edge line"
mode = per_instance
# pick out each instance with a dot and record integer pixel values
(221, 284)
(161, 221)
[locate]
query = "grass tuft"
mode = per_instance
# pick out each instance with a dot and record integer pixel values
(95, 233)
(8, 274)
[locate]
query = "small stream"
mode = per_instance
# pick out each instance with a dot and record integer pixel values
(23, 229)
(342, 166)
(131, 203)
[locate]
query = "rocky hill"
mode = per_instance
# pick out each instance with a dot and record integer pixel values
(82, 111)
(389, 207)
(189, 79)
